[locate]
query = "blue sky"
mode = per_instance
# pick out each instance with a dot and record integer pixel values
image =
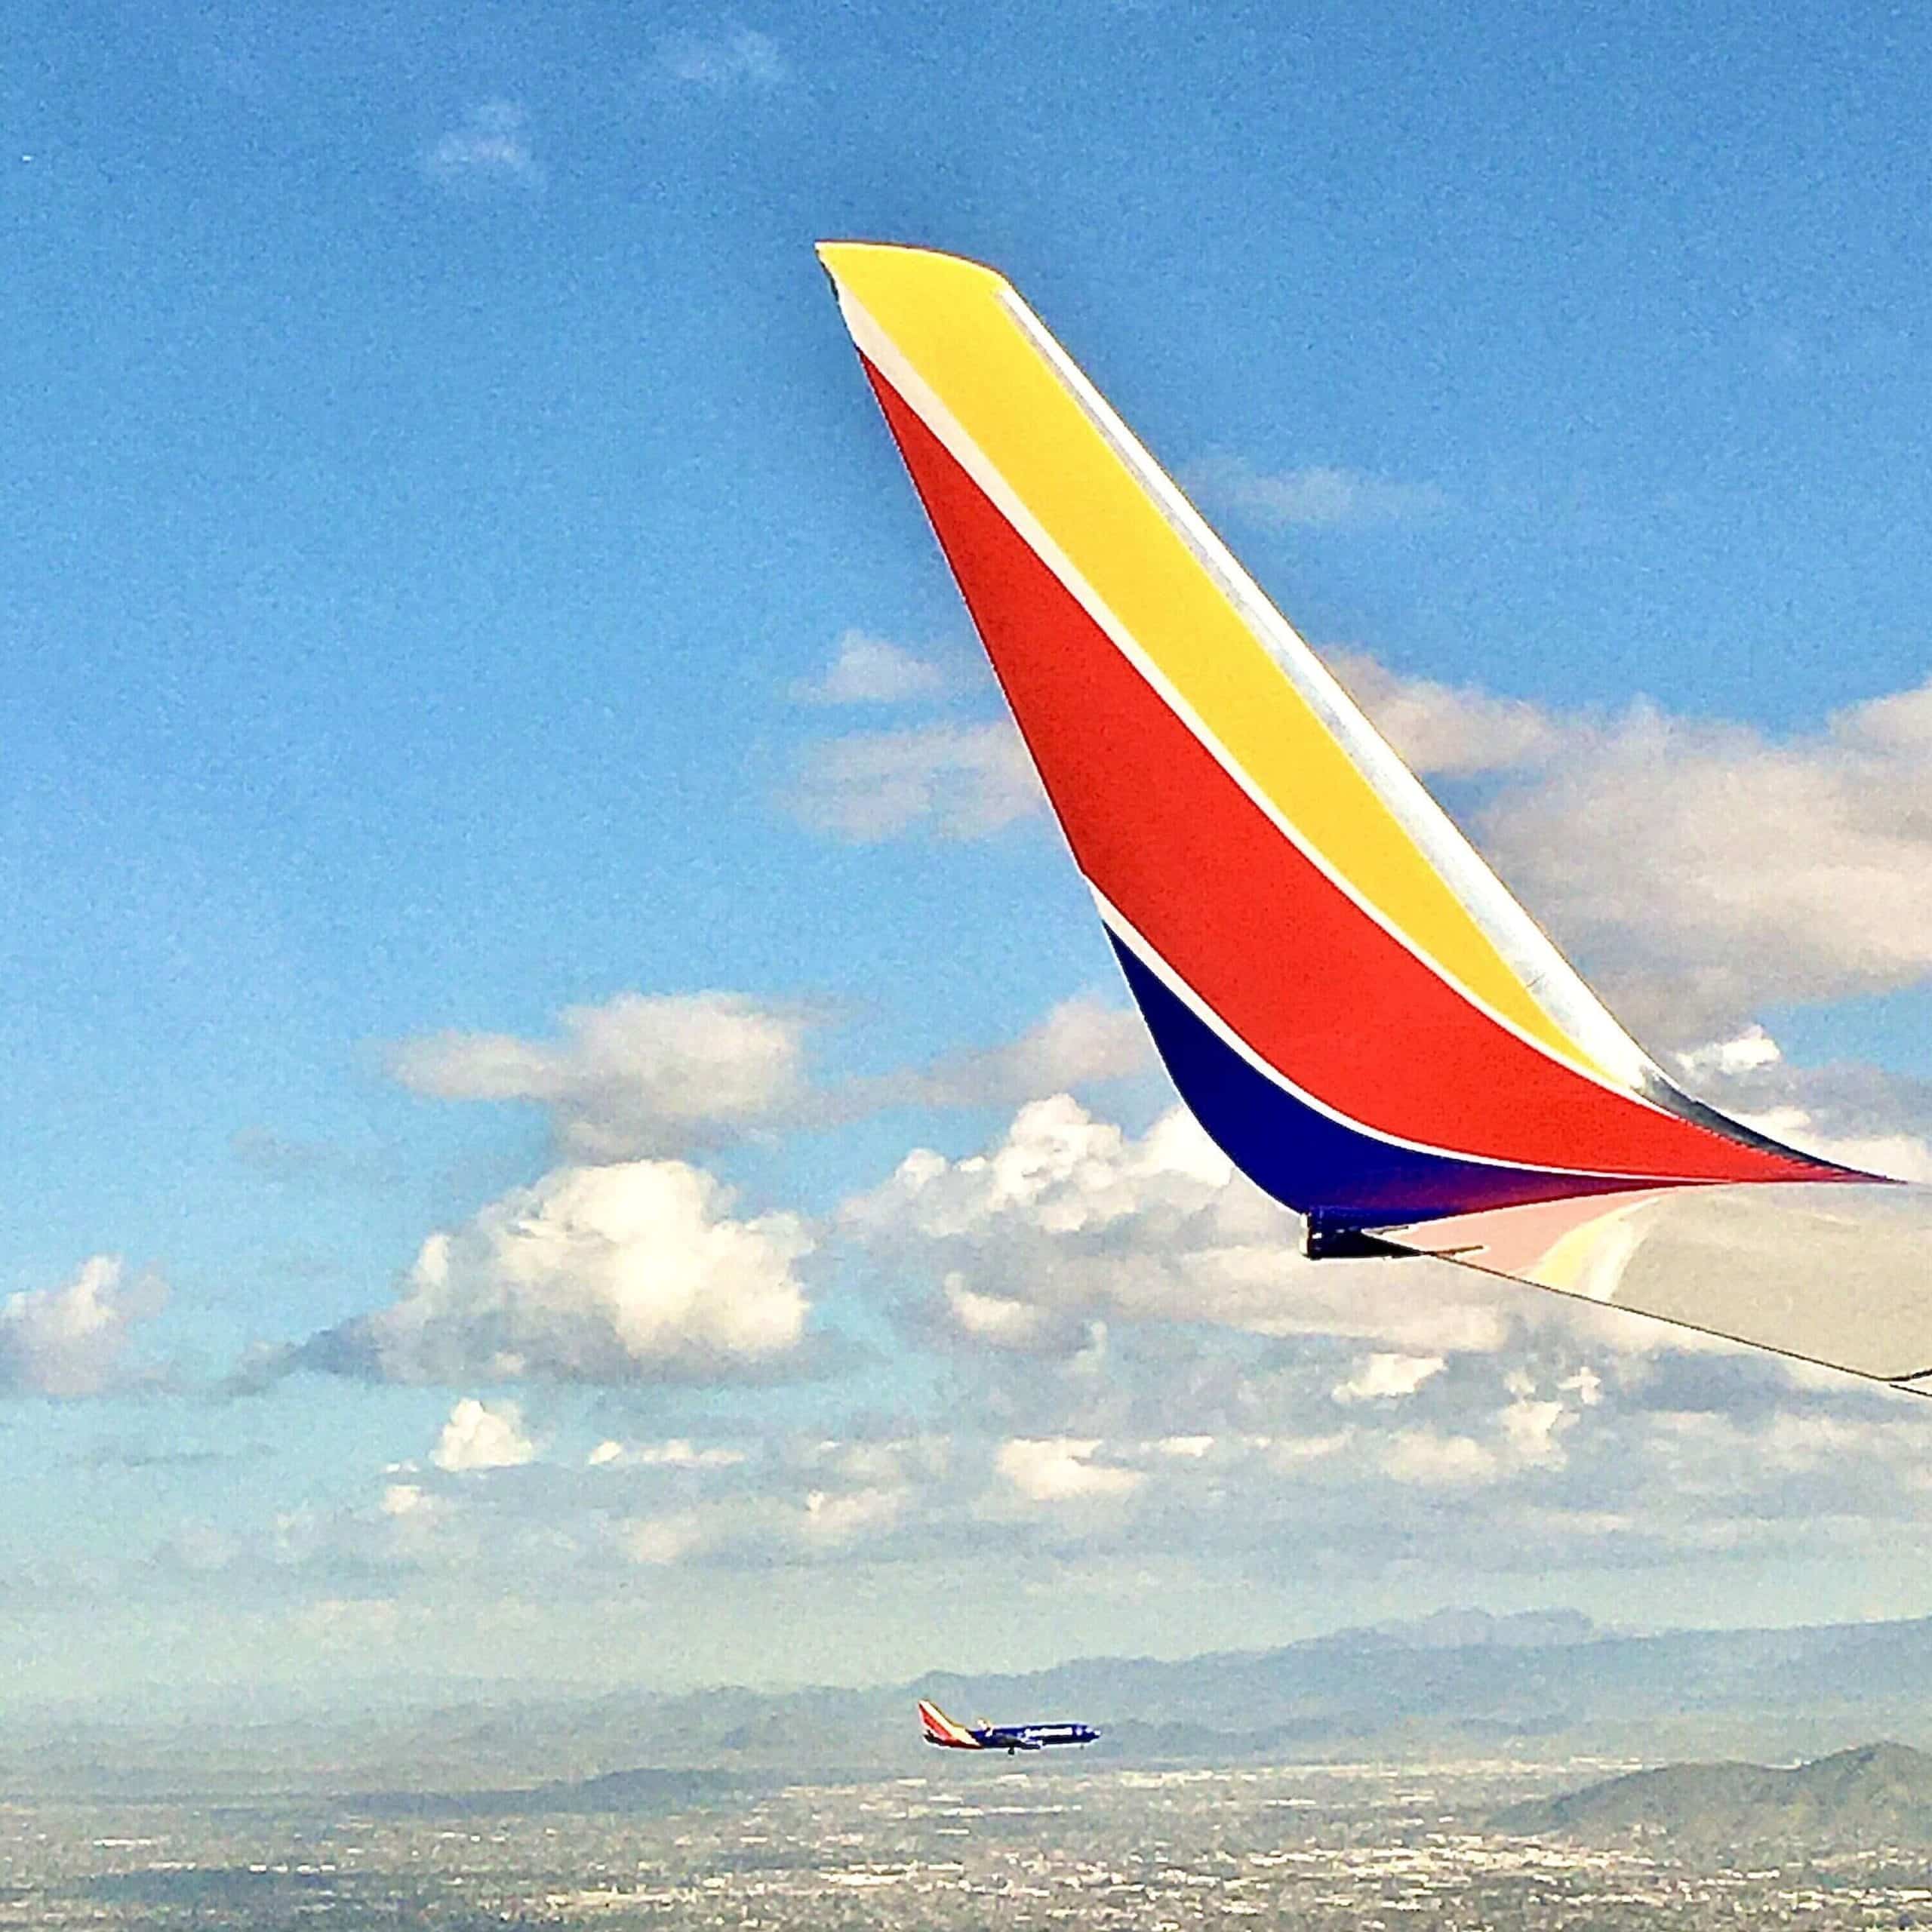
(438, 500)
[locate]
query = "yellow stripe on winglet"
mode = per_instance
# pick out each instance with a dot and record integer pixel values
(952, 321)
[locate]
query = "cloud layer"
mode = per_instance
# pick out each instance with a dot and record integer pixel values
(648, 1075)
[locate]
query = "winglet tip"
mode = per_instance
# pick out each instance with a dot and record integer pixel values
(859, 266)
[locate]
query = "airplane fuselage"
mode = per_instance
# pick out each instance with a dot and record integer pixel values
(949, 1735)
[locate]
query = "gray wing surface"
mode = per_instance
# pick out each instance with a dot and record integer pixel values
(1836, 1275)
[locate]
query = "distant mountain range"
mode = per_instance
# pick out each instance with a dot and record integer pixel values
(1878, 1795)
(1549, 1684)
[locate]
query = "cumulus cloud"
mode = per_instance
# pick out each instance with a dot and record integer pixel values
(1062, 1469)
(1384, 1377)
(1066, 1217)
(736, 60)
(632, 1272)
(870, 670)
(482, 1435)
(1450, 730)
(75, 1340)
(1748, 1052)
(1699, 870)
(840, 1520)
(1707, 870)
(961, 781)
(1081, 1041)
(490, 151)
(1004, 1321)
(659, 1541)
(1526, 1433)
(640, 1075)
(1319, 497)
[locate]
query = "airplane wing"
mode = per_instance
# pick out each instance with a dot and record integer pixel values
(1841, 1275)
(1345, 995)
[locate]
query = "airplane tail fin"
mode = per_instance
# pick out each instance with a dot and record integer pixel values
(941, 1729)
(1346, 996)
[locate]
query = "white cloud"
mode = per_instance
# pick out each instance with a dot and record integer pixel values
(1382, 1377)
(1289, 1455)
(1081, 1041)
(482, 1435)
(1000, 1319)
(733, 60)
(831, 1518)
(961, 781)
(805, 1501)
(870, 670)
(1709, 870)
(491, 150)
(675, 1453)
(660, 1541)
(1433, 1460)
(1857, 1114)
(651, 1075)
(1066, 1217)
(640, 1075)
(73, 1340)
(1319, 497)
(1532, 1426)
(1446, 730)
(1901, 1155)
(1526, 1435)
(1586, 1386)
(623, 1273)
(1700, 870)
(1061, 1469)
(1750, 1051)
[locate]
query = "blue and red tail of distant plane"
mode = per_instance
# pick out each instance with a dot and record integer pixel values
(1349, 1001)
(940, 1729)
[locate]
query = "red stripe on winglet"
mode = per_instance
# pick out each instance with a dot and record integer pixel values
(1282, 956)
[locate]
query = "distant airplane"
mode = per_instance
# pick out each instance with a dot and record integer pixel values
(941, 1729)
(1349, 1001)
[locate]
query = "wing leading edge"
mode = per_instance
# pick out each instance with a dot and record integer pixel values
(1345, 995)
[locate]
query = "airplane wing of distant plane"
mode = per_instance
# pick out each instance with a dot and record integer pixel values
(938, 1728)
(1345, 995)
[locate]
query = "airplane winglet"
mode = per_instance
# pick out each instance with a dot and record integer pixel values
(1347, 997)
